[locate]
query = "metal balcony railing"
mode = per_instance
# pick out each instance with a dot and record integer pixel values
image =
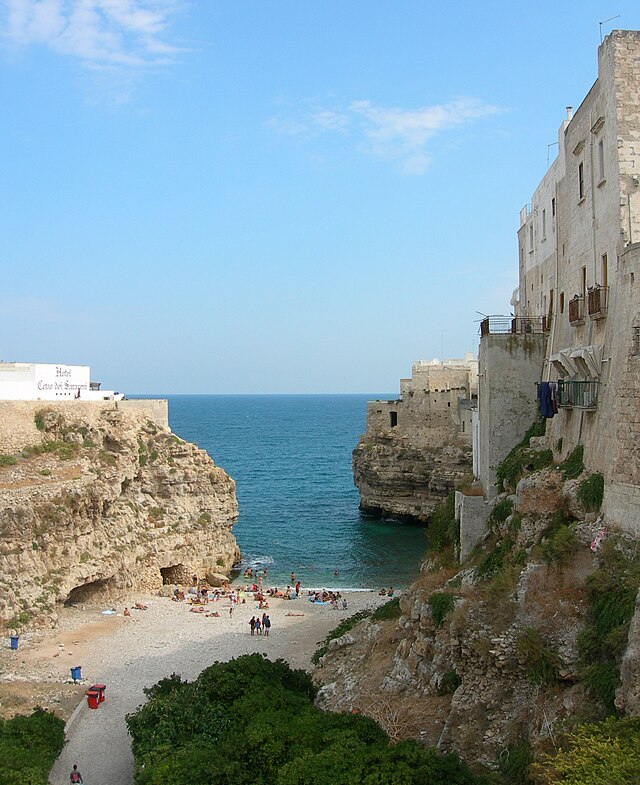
(598, 297)
(578, 394)
(576, 310)
(522, 325)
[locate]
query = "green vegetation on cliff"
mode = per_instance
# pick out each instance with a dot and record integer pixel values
(29, 747)
(252, 720)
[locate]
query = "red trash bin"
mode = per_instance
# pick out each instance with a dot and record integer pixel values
(100, 688)
(93, 698)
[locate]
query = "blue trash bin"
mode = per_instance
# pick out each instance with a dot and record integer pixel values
(75, 673)
(14, 641)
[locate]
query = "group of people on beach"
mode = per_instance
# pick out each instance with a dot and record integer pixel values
(260, 626)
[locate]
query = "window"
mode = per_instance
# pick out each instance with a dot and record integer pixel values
(635, 346)
(531, 238)
(561, 302)
(584, 282)
(393, 419)
(544, 224)
(604, 271)
(601, 160)
(581, 180)
(553, 208)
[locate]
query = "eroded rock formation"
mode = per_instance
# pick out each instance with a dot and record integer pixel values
(487, 655)
(101, 502)
(397, 478)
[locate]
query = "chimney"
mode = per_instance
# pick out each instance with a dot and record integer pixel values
(569, 113)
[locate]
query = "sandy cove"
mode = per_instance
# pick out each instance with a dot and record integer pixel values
(128, 654)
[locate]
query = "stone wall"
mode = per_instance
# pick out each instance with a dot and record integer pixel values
(510, 366)
(18, 418)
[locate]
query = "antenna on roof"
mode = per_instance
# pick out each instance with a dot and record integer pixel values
(549, 146)
(604, 21)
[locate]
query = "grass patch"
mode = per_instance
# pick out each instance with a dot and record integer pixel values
(501, 511)
(441, 604)
(591, 492)
(559, 546)
(443, 530)
(497, 558)
(611, 598)
(515, 763)
(8, 460)
(540, 661)
(346, 625)
(573, 465)
(449, 683)
(390, 610)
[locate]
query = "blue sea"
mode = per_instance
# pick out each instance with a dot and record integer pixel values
(290, 456)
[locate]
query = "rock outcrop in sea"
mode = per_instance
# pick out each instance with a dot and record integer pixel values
(101, 500)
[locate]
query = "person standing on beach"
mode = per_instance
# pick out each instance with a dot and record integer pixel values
(75, 775)
(258, 627)
(230, 611)
(252, 624)
(266, 623)
(297, 588)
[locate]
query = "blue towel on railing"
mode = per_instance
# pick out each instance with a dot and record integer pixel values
(546, 404)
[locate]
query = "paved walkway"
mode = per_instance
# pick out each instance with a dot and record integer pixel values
(142, 651)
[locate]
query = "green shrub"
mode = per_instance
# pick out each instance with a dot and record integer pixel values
(449, 683)
(39, 420)
(442, 529)
(560, 545)
(107, 458)
(591, 491)
(8, 460)
(515, 763)
(611, 598)
(284, 738)
(387, 611)
(345, 626)
(520, 458)
(572, 466)
(501, 511)
(494, 561)
(441, 604)
(541, 663)
(602, 753)
(28, 747)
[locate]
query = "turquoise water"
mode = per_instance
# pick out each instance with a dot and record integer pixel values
(290, 456)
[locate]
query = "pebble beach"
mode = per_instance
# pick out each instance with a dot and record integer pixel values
(130, 653)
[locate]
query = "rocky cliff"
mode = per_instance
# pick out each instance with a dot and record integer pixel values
(399, 478)
(100, 502)
(538, 630)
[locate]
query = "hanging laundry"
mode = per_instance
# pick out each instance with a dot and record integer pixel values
(546, 405)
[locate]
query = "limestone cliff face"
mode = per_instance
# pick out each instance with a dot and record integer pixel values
(101, 502)
(396, 477)
(485, 654)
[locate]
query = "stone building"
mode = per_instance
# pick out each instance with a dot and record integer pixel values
(578, 299)
(417, 447)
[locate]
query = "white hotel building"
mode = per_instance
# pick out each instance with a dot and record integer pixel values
(50, 382)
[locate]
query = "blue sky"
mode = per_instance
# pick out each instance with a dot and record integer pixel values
(285, 196)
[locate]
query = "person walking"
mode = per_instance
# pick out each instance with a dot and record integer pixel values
(75, 775)
(267, 625)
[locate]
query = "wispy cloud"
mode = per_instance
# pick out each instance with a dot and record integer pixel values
(100, 33)
(394, 134)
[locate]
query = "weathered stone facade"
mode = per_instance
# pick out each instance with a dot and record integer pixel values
(418, 447)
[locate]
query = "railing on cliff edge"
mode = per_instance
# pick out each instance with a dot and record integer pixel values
(514, 325)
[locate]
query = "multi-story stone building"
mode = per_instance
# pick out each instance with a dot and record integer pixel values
(579, 284)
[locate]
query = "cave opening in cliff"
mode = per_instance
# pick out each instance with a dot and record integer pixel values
(92, 592)
(176, 573)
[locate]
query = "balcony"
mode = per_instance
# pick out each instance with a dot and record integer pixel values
(598, 297)
(578, 394)
(576, 311)
(518, 325)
